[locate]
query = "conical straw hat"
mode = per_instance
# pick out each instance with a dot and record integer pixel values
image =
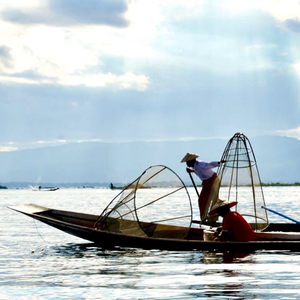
(221, 203)
(189, 156)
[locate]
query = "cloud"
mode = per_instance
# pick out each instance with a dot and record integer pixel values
(126, 81)
(8, 149)
(91, 56)
(292, 24)
(5, 56)
(281, 9)
(294, 133)
(4, 52)
(71, 13)
(46, 55)
(286, 12)
(157, 70)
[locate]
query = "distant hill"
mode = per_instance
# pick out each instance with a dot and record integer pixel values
(277, 158)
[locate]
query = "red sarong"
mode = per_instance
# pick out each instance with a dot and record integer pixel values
(208, 195)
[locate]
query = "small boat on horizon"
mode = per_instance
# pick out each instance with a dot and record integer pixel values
(46, 188)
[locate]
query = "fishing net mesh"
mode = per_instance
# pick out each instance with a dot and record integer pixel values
(240, 180)
(156, 204)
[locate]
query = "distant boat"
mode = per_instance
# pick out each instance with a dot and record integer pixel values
(44, 189)
(113, 187)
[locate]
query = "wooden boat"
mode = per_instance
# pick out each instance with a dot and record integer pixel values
(145, 214)
(166, 237)
(44, 189)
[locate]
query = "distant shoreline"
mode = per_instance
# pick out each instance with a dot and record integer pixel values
(281, 184)
(263, 184)
(25, 185)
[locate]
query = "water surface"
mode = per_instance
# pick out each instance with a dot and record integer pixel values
(40, 262)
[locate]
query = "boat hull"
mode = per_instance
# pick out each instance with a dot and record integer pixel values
(81, 225)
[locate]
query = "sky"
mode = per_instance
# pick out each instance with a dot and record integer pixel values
(138, 70)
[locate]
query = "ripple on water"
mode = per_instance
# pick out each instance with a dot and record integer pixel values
(39, 262)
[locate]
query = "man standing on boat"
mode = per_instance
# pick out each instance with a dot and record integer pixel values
(210, 181)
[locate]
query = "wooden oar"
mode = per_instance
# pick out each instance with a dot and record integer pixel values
(194, 221)
(194, 184)
(282, 215)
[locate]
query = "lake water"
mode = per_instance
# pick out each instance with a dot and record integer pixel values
(40, 262)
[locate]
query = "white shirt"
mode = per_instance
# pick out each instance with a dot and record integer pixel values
(204, 169)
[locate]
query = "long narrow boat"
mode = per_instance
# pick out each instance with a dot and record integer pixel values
(44, 189)
(155, 211)
(167, 237)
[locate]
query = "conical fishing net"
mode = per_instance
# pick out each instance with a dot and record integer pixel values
(240, 180)
(156, 204)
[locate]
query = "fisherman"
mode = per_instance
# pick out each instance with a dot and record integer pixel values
(234, 226)
(210, 181)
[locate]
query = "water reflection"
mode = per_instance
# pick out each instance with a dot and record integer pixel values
(153, 274)
(86, 250)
